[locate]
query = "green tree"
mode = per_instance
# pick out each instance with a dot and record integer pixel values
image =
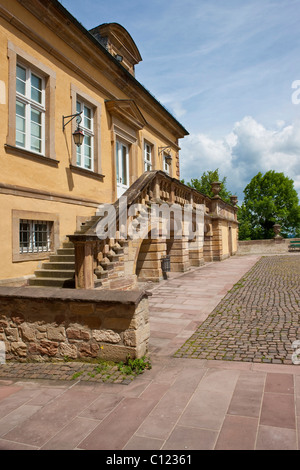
(245, 224)
(203, 185)
(270, 198)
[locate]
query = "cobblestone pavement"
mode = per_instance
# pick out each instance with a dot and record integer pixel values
(257, 321)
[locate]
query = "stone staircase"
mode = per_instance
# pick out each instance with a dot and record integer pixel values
(113, 262)
(59, 271)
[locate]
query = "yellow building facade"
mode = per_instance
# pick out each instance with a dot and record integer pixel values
(53, 69)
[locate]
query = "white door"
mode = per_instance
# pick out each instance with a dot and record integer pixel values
(122, 168)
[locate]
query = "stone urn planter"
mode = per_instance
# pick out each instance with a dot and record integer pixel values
(233, 200)
(277, 228)
(216, 188)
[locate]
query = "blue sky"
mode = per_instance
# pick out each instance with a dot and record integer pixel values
(224, 69)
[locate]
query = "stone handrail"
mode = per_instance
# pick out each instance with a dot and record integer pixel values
(153, 187)
(158, 187)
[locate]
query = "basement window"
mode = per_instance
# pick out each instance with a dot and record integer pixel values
(35, 236)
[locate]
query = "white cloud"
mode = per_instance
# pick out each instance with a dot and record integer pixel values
(248, 149)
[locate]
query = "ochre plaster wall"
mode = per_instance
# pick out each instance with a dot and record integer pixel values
(69, 70)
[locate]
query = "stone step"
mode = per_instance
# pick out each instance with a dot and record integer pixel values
(52, 282)
(88, 223)
(62, 258)
(67, 245)
(54, 273)
(92, 219)
(65, 251)
(63, 265)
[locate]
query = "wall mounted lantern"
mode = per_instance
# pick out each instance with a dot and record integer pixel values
(168, 159)
(78, 135)
(167, 150)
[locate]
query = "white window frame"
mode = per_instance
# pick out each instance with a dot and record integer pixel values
(88, 132)
(31, 104)
(122, 174)
(166, 167)
(148, 154)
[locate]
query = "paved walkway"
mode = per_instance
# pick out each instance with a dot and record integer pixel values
(182, 403)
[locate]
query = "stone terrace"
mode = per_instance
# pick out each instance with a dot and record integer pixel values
(257, 321)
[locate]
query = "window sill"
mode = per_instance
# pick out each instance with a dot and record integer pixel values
(84, 172)
(30, 155)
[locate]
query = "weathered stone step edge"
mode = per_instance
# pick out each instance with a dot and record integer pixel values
(52, 282)
(65, 251)
(58, 265)
(54, 273)
(62, 258)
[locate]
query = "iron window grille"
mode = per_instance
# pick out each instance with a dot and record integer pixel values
(35, 236)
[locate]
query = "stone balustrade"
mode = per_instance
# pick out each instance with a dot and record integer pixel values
(98, 262)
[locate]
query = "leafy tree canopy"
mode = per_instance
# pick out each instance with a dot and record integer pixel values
(270, 198)
(203, 185)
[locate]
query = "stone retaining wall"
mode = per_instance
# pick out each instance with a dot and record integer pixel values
(50, 324)
(272, 246)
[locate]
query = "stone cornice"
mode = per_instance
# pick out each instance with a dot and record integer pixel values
(46, 195)
(48, 47)
(54, 16)
(128, 111)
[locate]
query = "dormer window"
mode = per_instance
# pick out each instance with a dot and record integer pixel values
(118, 42)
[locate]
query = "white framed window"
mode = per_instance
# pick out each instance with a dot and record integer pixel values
(166, 166)
(122, 167)
(34, 236)
(30, 110)
(147, 157)
(85, 153)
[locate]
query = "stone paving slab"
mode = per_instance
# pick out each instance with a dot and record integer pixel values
(181, 404)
